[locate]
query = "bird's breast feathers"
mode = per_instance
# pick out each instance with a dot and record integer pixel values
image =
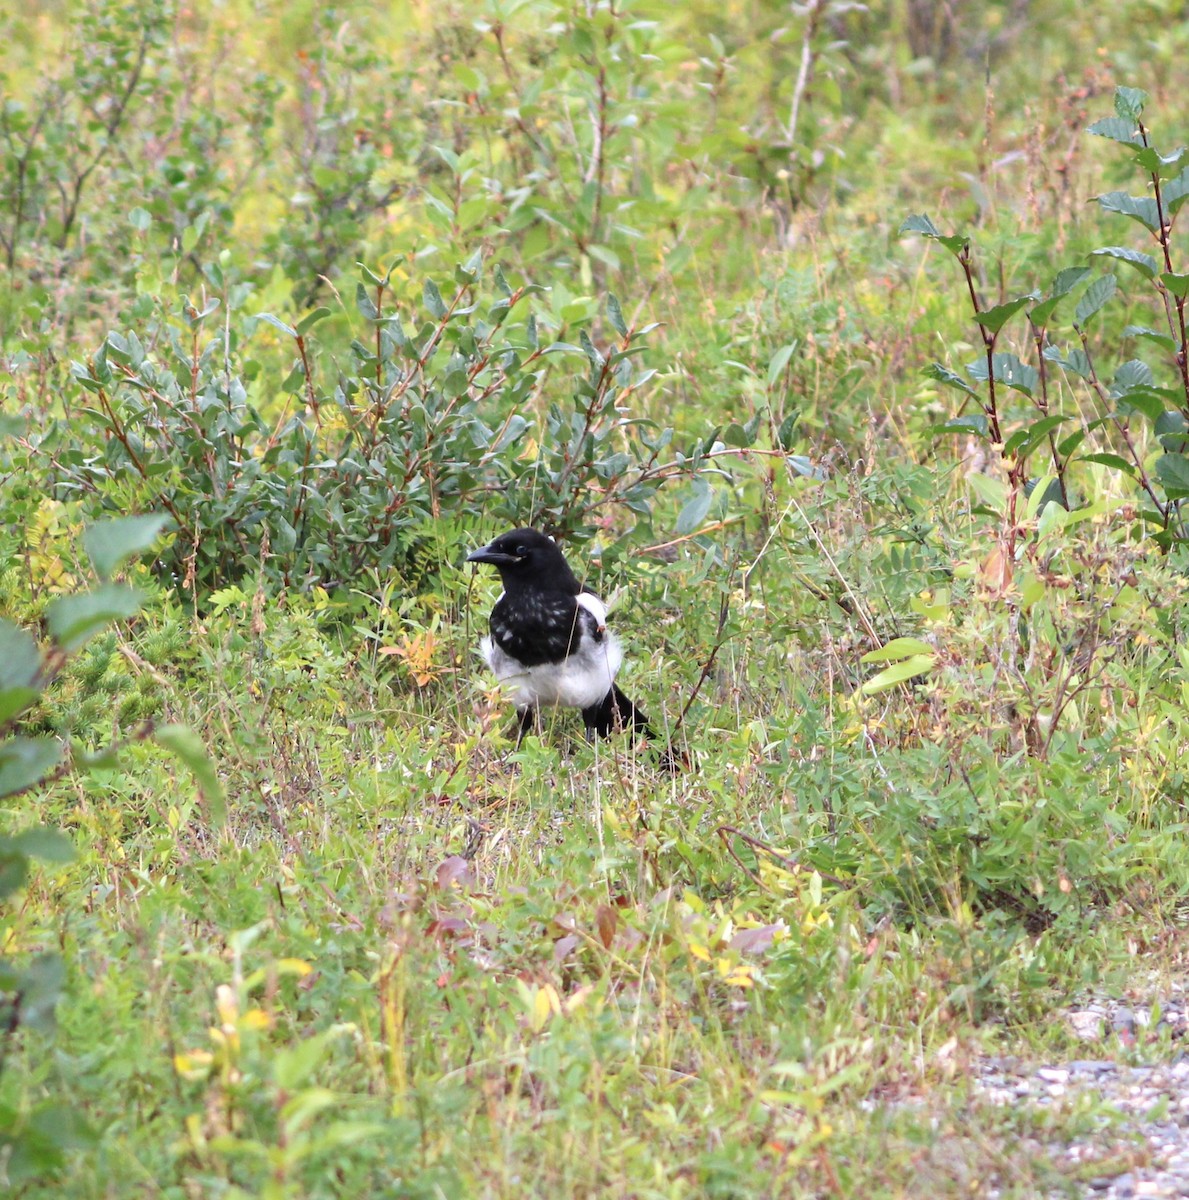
(553, 650)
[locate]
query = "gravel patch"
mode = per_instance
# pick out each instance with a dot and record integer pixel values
(1149, 1103)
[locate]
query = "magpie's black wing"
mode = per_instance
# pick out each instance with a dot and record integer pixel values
(543, 628)
(616, 711)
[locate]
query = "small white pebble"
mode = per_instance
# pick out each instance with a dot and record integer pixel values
(1086, 1025)
(1053, 1074)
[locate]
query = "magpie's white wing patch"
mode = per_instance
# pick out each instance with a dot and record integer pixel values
(594, 606)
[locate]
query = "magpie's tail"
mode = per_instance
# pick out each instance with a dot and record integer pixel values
(615, 711)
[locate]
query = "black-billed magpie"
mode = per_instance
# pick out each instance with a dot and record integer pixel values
(549, 639)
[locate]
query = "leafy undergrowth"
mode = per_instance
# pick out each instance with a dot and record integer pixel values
(919, 630)
(417, 960)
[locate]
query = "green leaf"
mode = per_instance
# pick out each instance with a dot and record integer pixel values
(41, 985)
(1094, 297)
(1118, 129)
(615, 316)
(1177, 284)
(14, 700)
(50, 845)
(780, 360)
(25, 761)
(61, 1121)
(1009, 371)
(72, 620)
(1174, 193)
(1145, 264)
(292, 1067)
(1161, 165)
(20, 663)
(606, 256)
(468, 272)
(109, 543)
(106, 758)
(694, 512)
(1138, 208)
(1041, 492)
(1039, 314)
(277, 322)
(1068, 278)
(737, 436)
(1173, 472)
(310, 320)
(990, 491)
(924, 226)
(14, 870)
(365, 304)
(975, 423)
(1072, 441)
(949, 378)
(433, 300)
(1024, 441)
(909, 668)
(1132, 374)
(1110, 460)
(1144, 401)
(1171, 424)
(995, 318)
(591, 351)
(897, 650)
(1152, 335)
(188, 747)
(785, 435)
(1129, 102)
(1075, 360)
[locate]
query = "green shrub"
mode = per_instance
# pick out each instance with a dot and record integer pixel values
(432, 420)
(1111, 416)
(34, 1143)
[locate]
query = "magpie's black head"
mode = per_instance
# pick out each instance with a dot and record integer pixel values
(527, 558)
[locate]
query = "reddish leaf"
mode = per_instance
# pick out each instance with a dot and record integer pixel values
(753, 941)
(451, 926)
(455, 872)
(606, 921)
(563, 947)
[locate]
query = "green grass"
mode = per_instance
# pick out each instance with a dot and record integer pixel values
(412, 959)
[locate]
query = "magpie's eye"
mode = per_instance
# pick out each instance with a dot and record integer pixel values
(521, 551)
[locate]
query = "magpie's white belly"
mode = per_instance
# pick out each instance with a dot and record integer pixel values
(578, 681)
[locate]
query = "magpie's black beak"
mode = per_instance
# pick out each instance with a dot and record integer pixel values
(497, 558)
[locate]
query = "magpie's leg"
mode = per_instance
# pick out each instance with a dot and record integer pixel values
(529, 720)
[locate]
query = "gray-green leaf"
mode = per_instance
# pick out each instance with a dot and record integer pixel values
(109, 543)
(1145, 264)
(72, 620)
(25, 761)
(1094, 297)
(188, 747)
